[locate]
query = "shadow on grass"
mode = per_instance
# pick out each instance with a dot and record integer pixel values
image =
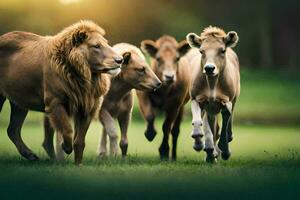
(272, 177)
(292, 159)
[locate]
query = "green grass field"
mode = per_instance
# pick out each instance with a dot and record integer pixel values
(265, 162)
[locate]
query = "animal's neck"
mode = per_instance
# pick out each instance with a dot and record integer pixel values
(212, 82)
(212, 85)
(119, 87)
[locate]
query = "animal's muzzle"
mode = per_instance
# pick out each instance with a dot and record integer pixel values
(209, 69)
(118, 60)
(169, 78)
(158, 84)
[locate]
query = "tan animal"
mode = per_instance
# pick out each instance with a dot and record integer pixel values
(118, 102)
(215, 88)
(173, 70)
(60, 75)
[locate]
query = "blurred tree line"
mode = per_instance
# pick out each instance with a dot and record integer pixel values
(269, 30)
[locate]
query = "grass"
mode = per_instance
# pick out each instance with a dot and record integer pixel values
(265, 164)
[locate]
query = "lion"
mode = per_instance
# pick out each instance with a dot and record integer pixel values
(63, 76)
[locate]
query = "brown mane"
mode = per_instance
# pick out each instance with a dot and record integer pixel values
(212, 31)
(53, 75)
(73, 68)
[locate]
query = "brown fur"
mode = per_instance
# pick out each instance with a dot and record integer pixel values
(218, 90)
(118, 102)
(212, 31)
(174, 71)
(60, 75)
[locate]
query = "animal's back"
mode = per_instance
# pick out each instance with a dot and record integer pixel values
(18, 44)
(21, 68)
(16, 40)
(123, 47)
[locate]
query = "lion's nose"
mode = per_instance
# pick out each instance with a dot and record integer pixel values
(118, 60)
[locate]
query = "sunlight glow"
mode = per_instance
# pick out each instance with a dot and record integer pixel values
(68, 1)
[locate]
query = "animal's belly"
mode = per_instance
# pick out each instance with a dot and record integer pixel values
(29, 100)
(26, 91)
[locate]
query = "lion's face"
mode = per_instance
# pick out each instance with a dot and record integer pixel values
(97, 53)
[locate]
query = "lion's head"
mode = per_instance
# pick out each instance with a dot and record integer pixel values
(83, 48)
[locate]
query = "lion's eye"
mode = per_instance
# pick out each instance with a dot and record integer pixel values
(223, 51)
(141, 70)
(202, 52)
(96, 46)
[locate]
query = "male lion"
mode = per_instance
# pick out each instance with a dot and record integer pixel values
(60, 75)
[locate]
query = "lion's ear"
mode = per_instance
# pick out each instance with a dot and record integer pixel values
(78, 38)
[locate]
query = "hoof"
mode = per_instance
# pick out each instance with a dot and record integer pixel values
(124, 148)
(211, 156)
(225, 155)
(150, 135)
(164, 157)
(31, 157)
(164, 153)
(211, 159)
(67, 148)
(230, 138)
(198, 145)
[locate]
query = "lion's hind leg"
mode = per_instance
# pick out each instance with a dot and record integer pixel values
(17, 118)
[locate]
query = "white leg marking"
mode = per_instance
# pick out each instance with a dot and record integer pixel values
(102, 147)
(113, 145)
(209, 140)
(229, 106)
(197, 120)
(60, 154)
(113, 137)
(109, 125)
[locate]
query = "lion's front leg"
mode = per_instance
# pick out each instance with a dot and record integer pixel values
(82, 124)
(59, 119)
